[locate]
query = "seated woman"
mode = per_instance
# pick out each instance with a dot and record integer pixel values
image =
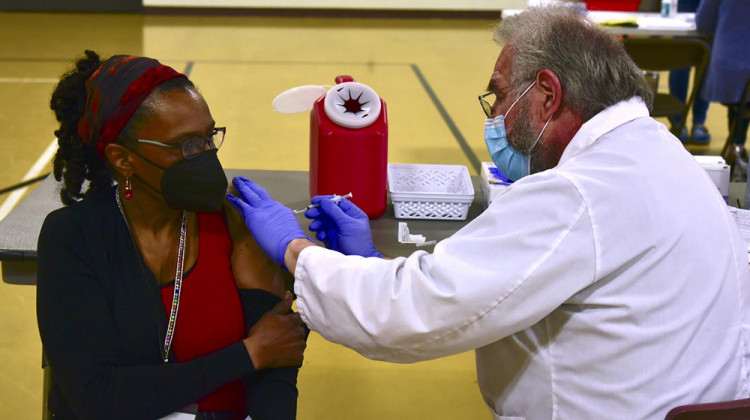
(147, 289)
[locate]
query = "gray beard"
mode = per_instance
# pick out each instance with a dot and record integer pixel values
(523, 137)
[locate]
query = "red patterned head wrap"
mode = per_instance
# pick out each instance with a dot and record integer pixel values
(113, 93)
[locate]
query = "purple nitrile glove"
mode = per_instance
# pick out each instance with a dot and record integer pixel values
(343, 227)
(500, 175)
(272, 224)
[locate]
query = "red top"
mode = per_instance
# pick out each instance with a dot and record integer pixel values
(210, 315)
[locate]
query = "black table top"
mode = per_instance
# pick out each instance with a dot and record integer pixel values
(20, 229)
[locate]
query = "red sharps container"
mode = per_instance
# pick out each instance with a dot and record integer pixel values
(349, 145)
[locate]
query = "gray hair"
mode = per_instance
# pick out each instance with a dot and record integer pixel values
(591, 64)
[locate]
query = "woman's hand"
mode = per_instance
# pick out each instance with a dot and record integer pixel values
(278, 339)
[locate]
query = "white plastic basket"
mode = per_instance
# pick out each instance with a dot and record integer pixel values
(430, 191)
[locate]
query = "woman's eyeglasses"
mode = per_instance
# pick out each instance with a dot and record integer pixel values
(193, 146)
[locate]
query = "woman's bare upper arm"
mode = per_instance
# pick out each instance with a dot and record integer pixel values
(252, 268)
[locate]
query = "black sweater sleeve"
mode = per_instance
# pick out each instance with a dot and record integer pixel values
(79, 331)
(271, 394)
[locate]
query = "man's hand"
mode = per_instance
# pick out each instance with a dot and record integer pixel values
(272, 224)
(343, 227)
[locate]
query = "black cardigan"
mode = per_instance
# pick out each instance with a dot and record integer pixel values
(102, 323)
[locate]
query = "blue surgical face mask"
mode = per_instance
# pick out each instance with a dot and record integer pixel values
(507, 159)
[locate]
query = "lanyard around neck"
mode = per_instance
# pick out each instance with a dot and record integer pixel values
(179, 271)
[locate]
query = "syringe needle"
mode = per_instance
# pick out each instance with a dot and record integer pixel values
(335, 199)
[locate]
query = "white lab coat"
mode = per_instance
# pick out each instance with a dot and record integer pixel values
(613, 286)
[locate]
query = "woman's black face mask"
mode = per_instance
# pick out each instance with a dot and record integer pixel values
(198, 184)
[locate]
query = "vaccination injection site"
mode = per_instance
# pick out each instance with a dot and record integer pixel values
(395, 209)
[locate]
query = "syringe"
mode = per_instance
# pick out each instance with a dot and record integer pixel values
(335, 199)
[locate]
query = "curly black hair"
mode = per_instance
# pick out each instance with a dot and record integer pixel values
(76, 162)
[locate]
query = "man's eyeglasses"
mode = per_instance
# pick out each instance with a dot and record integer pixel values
(193, 146)
(487, 104)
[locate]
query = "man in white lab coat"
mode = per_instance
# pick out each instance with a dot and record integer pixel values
(608, 282)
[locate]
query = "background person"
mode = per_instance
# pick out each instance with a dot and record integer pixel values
(728, 69)
(599, 286)
(679, 81)
(146, 290)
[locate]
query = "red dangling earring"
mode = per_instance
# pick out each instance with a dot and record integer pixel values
(128, 189)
